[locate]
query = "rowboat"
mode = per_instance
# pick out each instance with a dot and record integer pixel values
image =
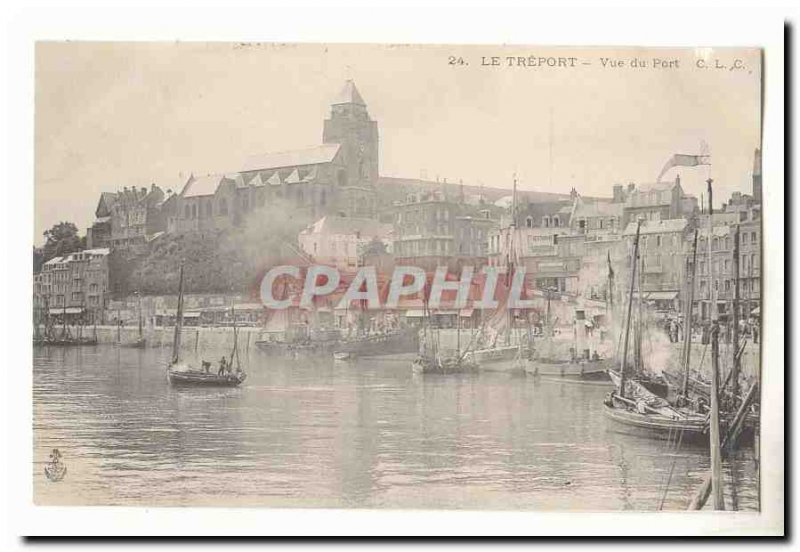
(183, 375)
(448, 365)
(592, 369)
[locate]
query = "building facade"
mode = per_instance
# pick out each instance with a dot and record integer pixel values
(127, 219)
(342, 241)
(76, 285)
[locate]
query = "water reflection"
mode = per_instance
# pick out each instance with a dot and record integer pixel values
(369, 434)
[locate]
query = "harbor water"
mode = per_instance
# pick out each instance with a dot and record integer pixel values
(368, 434)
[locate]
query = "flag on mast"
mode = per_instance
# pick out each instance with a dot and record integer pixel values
(683, 160)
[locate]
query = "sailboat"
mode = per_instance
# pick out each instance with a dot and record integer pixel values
(183, 374)
(635, 409)
(431, 360)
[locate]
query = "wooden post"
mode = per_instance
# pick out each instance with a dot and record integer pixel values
(716, 460)
(699, 499)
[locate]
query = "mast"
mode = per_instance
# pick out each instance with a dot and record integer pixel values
(687, 326)
(628, 315)
(235, 351)
(139, 298)
(639, 319)
(716, 456)
(735, 320)
(176, 341)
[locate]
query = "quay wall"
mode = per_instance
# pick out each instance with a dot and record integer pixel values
(210, 338)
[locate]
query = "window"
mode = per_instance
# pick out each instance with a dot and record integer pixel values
(223, 206)
(187, 212)
(546, 222)
(208, 209)
(753, 238)
(529, 222)
(556, 221)
(658, 241)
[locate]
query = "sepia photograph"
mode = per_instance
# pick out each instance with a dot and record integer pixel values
(468, 277)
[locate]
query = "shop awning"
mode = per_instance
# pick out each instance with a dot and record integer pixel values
(413, 313)
(466, 313)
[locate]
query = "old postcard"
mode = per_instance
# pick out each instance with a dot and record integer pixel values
(398, 277)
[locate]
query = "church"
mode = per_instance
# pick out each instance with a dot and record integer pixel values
(337, 177)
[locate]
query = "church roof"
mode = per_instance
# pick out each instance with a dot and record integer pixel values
(293, 158)
(203, 185)
(349, 95)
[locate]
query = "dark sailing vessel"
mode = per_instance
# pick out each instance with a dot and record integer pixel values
(182, 374)
(635, 409)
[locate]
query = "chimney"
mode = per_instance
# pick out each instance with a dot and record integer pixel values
(617, 198)
(678, 179)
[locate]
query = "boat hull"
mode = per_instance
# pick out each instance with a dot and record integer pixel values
(499, 359)
(588, 370)
(194, 378)
(654, 426)
(425, 366)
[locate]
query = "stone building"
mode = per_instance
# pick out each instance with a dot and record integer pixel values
(127, 219)
(342, 241)
(662, 260)
(433, 230)
(336, 177)
(654, 202)
(75, 285)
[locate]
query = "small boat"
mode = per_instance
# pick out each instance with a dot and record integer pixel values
(591, 369)
(140, 343)
(182, 374)
(448, 365)
(342, 355)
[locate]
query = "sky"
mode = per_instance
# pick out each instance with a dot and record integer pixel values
(109, 115)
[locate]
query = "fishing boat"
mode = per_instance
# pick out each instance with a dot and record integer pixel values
(426, 364)
(632, 408)
(184, 374)
(590, 369)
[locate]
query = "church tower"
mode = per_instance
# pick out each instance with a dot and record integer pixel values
(351, 126)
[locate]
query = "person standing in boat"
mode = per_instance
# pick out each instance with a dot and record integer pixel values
(222, 367)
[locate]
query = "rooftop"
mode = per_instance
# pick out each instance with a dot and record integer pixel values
(349, 225)
(657, 227)
(293, 158)
(349, 95)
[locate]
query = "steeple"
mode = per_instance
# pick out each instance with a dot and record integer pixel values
(349, 95)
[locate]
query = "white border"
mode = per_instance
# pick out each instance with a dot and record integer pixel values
(680, 24)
